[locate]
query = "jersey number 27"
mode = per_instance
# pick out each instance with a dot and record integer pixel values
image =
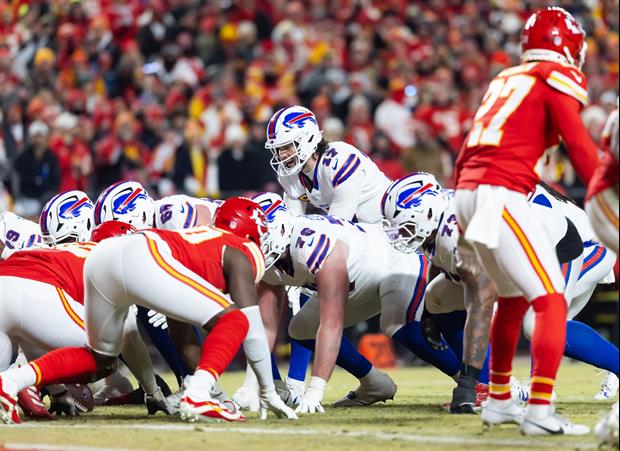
(501, 100)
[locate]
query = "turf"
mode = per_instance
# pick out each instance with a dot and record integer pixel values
(414, 420)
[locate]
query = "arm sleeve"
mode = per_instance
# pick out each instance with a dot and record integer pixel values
(564, 112)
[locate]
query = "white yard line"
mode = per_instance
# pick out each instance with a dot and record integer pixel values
(44, 447)
(383, 436)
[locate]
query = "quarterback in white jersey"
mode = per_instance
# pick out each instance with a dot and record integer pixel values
(334, 177)
(179, 212)
(332, 255)
(17, 233)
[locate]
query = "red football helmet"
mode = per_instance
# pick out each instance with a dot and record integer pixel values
(110, 229)
(244, 218)
(553, 34)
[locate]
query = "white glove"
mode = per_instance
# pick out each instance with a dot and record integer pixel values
(269, 400)
(311, 400)
(157, 320)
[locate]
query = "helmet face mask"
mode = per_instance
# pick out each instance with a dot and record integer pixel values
(413, 207)
(243, 217)
(280, 226)
(295, 133)
(67, 217)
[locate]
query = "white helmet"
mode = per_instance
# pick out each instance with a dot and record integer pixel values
(66, 217)
(293, 125)
(280, 224)
(412, 207)
(127, 202)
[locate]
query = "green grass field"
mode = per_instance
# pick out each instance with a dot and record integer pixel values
(414, 420)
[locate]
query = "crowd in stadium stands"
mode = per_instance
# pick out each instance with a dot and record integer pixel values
(176, 93)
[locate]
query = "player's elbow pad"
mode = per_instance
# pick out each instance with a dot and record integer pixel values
(255, 344)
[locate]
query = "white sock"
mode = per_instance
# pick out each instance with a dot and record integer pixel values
(200, 385)
(538, 411)
(501, 403)
(16, 379)
(373, 373)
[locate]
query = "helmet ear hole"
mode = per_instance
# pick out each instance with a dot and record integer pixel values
(430, 214)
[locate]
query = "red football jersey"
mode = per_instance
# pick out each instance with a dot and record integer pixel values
(606, 174)
(201, 249)
(524, 111)
(61, 266)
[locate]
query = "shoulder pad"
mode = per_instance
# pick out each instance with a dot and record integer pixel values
(568, 80)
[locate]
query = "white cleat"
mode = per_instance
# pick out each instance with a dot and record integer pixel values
(552, 424)
(521, 391)
(8, 405)
(246, 398)
(218, 393)
(609, 387)
(606, 430)
(374, 387)
(208, 409)
(501, 412)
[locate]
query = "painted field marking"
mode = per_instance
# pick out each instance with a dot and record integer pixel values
(383, 436)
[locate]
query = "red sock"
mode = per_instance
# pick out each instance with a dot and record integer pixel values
(223, 342)
(548, 342)
(65, 365)
(505, 330)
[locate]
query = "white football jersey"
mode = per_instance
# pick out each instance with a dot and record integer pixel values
(18, 233)
(312, 240)
(442, 253)
(578, 216)
(179, 211)
(346, 184)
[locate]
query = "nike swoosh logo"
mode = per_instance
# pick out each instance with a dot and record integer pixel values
(578, 77)
(311, 242)
(559, 431)
(182, 209)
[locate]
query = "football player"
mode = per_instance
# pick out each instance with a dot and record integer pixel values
(17, 233)
(423, 222)
(602, 196)
(524, 111)
(332, 176)
(331, 256)
(174, 263)
(42, 293)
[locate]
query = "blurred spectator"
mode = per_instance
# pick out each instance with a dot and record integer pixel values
(237, 167)
(37, 173)
(135, 74)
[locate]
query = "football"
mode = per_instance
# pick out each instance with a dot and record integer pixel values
(84, 399)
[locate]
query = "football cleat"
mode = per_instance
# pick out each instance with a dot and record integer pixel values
(209, 409)
(464, 396)
(606, 429)
(247, 398)
(157, 401)
(283, 391)
(609, 387)
(482, 394)
(521, 392)
(8, 406)
(29, 399)
(499, 412)
(552, 424)
(374, 387)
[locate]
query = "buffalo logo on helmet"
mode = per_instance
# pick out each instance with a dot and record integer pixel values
(298, 119)
(125, 202)
(412, 197)
(73, 207)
